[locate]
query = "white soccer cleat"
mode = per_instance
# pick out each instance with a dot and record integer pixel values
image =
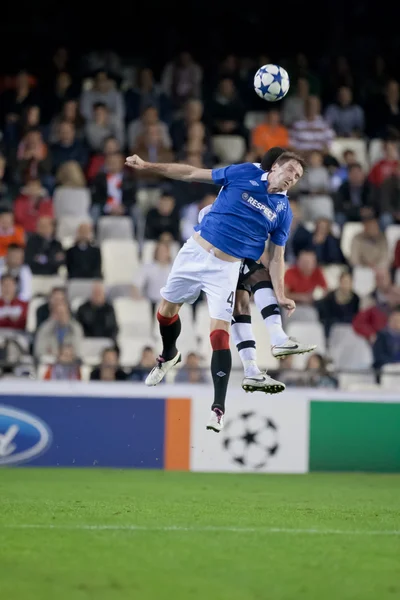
(263, 383)
(162, 367)
(216, 421)
(291, 346)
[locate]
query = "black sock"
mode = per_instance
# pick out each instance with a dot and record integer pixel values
(221, 364)
(170, 329)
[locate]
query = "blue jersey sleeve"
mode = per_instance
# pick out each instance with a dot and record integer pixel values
(233, 173)
(280, 235)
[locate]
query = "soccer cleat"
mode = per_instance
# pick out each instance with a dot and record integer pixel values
(162, 367)
(263, 383)
(216, 421)
(291, 346)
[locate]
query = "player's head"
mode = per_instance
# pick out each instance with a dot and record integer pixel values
(285, 172)
(270, 157)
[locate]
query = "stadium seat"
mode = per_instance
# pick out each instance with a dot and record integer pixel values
(67, 226)
(332, 275)
(92, 348)
(359, 147)
(229, 148)
(318, 206)
(133, 316)
(71, 202)
(120, 260)
(375, 151)
(393, 236)
(148, 248)
(390, 378)
(253, 118)
(349, 351)
(31, 323)
(355, 381)
(81, 288)
(363, 281)
(350, 229)
(312, 333)
(131, 348)
(43, 284)
(76, 302)
(146, 198)
(114, 228)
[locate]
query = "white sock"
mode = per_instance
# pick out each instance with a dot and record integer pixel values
(243, 338)
(266, 302)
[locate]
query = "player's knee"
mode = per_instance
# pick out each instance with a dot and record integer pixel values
(219, 339)
(242, 303)
(259, 276)
(167, 309)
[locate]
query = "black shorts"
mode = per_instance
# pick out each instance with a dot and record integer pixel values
(247, 268)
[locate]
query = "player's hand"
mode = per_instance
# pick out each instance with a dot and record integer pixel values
(288, 304)
(135, 162)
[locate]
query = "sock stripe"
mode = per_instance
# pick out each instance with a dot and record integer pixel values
(242, 319)
(261, 285)
(268, 311)
(247, 344)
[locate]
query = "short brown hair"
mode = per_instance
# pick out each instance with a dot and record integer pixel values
(286, 156)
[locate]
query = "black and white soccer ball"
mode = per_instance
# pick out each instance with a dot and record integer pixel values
(251, 440)
(271, 83)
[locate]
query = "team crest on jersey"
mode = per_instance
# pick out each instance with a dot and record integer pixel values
(254, 183)
(280, 206)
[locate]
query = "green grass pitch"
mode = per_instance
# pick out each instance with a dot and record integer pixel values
(154, 535)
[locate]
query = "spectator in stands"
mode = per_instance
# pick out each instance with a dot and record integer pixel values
(151, 147)
(304, 278)
(317, 374)
(15, 100)
(146, 93)
(31, 119)
(14, 264)
(84, 258)
(69, 147)
(109, 369)
(384, 116)
(268, 134)
(386, 166)
(70, 113)
(369, 248)
(386, 347)
(4, 188)
(66, 367)
(163, 218)
(33, 159)
(340, 305)
(58, 295)
(70, 175)
(322, 241)
(97, 316)
(384, 288)
(103, 91)
(294, 104)
(388, 199)
(101, 127)
(44, 253)
(180, 127)
(113, 191)
(370, 321)
(96, 163)
(137, 128)
(13, 312)
(226, 111)
(299, 234)
(312, 132)
(152, 277)
(344, 116)
(339, 172)
(146, 362)
(9, 232)
(191, 371)
(354, 198)
(181, 79)
(58, 330)
(316, 179)
(33, 202)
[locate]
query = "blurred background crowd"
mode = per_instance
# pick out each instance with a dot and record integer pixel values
(86, 245)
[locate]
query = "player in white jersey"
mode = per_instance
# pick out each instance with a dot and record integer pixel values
(251, 207)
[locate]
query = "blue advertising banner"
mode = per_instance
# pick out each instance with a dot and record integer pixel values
(81, 431)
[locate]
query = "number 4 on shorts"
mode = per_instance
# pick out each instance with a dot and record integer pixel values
(230, 299)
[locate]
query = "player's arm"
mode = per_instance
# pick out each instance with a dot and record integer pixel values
(277, 274)
(170, 170)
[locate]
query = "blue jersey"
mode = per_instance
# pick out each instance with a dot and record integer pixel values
(244, 214)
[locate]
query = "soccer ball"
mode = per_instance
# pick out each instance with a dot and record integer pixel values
(271, 83)
(251, 439)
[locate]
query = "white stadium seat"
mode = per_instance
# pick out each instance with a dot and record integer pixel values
(363, 281)
(43, 284)
(392, 236)
(114, 228)
(359, 147)
(133, 316)
(350, 229)
(71, 202)
(375, 151)
(229, 148)
(253, 118)
(120, 260)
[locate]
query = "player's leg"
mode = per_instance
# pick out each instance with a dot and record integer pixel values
(267, 304)
(183, 285)
(243, 337)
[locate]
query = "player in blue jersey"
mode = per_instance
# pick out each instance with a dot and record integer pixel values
(254, 279)
(251, 207)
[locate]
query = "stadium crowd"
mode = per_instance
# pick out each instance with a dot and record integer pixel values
(85, 245)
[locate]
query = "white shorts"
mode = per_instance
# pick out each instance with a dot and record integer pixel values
(195, 270)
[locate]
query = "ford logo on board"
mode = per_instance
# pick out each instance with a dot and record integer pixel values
(23, 436)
